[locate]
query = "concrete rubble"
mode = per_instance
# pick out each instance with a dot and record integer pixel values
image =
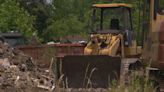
(19, 71)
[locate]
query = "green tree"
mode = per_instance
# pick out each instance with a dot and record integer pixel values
(61, 28)
(43, 13)
(15, 18)
(71, 17)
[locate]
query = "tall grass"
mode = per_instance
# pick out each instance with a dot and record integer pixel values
(137, 83)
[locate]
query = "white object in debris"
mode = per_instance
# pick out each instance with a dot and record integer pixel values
(18, 77)
(81, 42)
(50, 43)
(5, 62)
(47, 71)
(52, 88)
(46, 87)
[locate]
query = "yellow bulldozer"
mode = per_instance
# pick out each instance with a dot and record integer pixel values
(111, 44)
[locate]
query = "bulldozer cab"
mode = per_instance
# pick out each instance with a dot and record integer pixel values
(112, 17)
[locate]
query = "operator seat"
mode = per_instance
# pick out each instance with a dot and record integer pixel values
(114, 24)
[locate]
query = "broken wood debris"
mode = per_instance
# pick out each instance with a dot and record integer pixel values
(18, 70)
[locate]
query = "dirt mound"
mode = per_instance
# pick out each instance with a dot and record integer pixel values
(17, 71)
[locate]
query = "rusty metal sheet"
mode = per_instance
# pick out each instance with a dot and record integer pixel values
(161, 46)
(161, 56)
(43, 54)
(161, 32)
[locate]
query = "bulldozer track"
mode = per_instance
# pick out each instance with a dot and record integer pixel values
(124, 77)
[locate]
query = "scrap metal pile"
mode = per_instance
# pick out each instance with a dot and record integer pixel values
(18, 71)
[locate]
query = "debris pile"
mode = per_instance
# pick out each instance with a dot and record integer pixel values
(19, 71)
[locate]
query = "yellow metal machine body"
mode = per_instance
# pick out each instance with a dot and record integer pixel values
(153, 29)
(103, 44)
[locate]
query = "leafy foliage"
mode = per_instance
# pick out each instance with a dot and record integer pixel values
(14, 18)
(61, 28)
(43, 13)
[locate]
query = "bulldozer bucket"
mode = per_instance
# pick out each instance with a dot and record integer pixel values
(89, 71)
